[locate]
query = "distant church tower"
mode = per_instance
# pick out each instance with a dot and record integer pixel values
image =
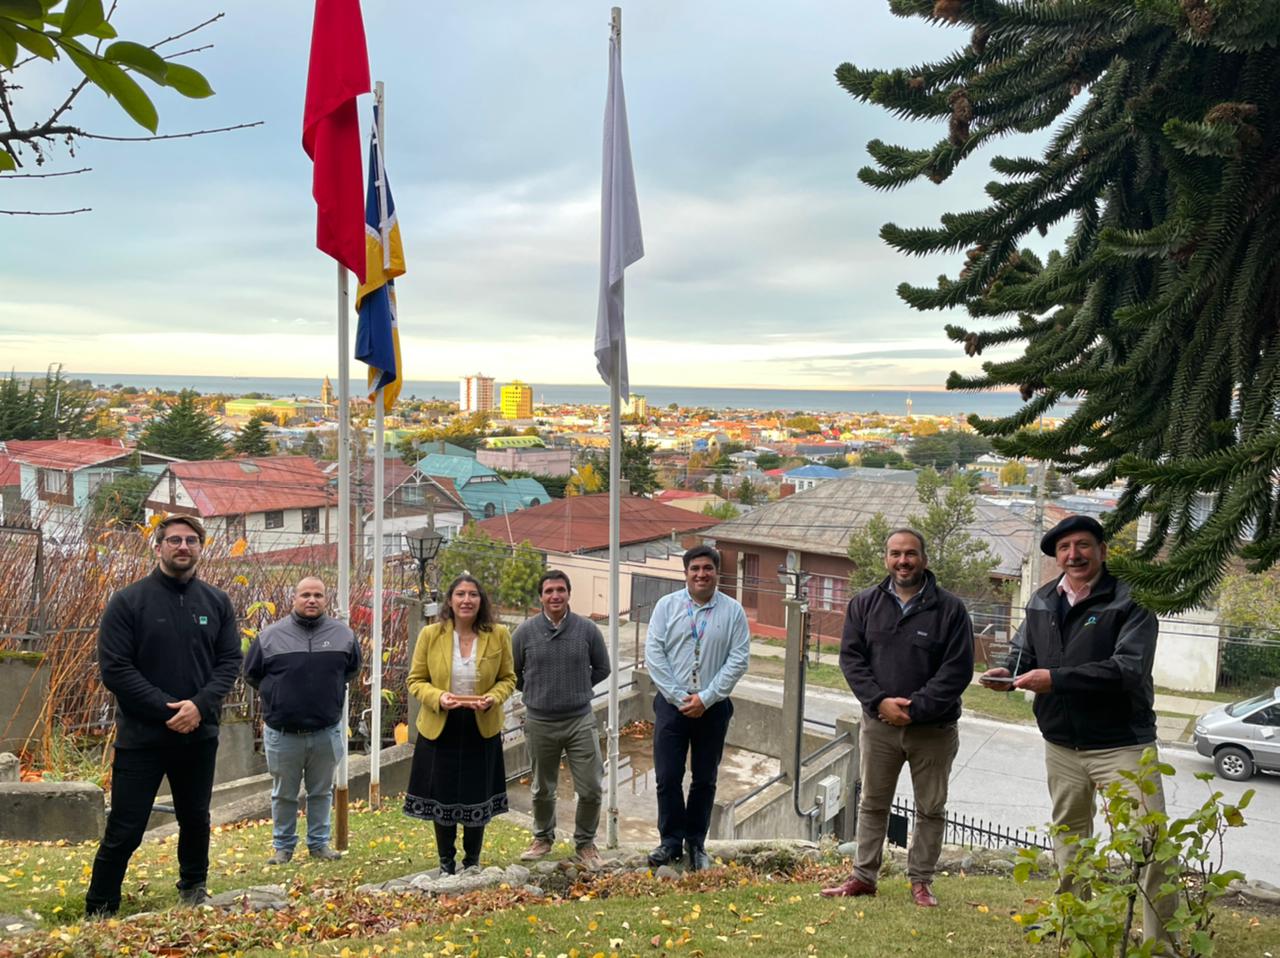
(908, 404)
(326, 392)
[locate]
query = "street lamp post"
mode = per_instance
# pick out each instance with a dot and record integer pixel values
(424, 543)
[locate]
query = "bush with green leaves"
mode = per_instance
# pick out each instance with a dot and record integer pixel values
(1107, 868)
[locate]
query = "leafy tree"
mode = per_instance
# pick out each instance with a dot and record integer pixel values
(804, 425)
(477, 554)
(962, 562)
(467, 431)
(768, 460)
(866, 552)
(311, 445)
(722, 511)
(123, 498)
(185, 432)
(76, 33)
(555, 485)
(924, 427)
(252, 439)
(1056, 484)
(718, 486)
(45, 409)
(1249, 609)
(586, 479)
(883, 459)
(1013, 473)
(948, 448)
(518, 580)
(746, 492)
(1159, 310)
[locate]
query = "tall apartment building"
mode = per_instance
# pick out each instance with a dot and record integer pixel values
(637, 406)
(517, 401)
(475, 393)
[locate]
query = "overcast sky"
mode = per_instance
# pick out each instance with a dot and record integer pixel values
(763, 264)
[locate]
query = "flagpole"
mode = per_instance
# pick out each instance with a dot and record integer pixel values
(615, 515)
(376, 606)
(342, 794)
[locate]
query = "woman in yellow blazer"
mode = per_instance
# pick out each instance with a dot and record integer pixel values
(462, 672)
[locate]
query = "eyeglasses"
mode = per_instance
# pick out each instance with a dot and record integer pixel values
(176, 541)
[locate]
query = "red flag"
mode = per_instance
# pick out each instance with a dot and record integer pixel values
(337, 74)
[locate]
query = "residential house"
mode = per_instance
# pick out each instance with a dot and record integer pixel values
(688, 500)
(411, 500)
(272, 503)
(483, 492)
(524, 454)
(806, 477)
(809, 533)
(59, 478)
(573, 534)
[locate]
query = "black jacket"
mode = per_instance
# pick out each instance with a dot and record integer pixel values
(302, 667)
(925, 655)
(161, 641)
(1099, 659)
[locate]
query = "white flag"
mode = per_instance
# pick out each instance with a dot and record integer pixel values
(620, 240)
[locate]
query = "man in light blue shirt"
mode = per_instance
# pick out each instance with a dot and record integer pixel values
(696, 650)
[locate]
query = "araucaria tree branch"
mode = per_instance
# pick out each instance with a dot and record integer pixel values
(1160, 313)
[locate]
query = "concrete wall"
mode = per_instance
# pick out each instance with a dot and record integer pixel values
(24, 686)
(589, 579)
(1187, 651)
(48, 811)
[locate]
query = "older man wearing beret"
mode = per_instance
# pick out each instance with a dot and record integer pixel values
(1085, 649)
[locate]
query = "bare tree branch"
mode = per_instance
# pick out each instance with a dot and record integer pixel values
(48, 132)
(198, 26)
(86, 209)
(42, 176)
(183, 53)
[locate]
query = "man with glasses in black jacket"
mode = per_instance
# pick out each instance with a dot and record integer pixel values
(169, 651)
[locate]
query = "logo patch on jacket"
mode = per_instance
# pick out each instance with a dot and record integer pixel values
(925, 634)
(204, 620)
(1092, 620)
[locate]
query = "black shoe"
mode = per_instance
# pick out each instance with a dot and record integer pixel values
(193, 896)
(698, 859)
(101, 911)
(448, 866)
(470, 863)
(664, 855)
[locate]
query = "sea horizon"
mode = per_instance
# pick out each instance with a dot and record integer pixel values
(885, 400)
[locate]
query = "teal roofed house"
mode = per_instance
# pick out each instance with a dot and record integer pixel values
(483, 492)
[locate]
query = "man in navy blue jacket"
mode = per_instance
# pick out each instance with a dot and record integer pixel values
(301, 666)
(169, 651)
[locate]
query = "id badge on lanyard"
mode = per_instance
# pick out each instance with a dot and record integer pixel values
(697, 630)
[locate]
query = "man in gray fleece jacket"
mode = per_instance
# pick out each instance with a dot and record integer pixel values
(559, 657)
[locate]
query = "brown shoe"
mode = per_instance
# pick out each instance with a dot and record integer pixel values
(850, 889)
(588, 856)
(923, 894)
(538, 848)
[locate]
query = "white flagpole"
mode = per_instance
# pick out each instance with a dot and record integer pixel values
(615, 518)
(342, 794)
(375, 690)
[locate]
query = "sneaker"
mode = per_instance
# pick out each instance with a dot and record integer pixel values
(194, 896)
(538, 848)
(588, 856)
(281, 856)
(325, 854)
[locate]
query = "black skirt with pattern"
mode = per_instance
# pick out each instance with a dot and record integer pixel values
(458, 778)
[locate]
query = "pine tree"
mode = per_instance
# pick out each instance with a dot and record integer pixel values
(252, 439)
(46, 409)
(184, 432)
(1160, 310)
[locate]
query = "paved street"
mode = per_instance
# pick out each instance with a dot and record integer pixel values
(999, 776)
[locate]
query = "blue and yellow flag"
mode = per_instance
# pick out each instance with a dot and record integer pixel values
(378, 335)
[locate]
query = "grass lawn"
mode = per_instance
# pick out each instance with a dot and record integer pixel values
(727, 911)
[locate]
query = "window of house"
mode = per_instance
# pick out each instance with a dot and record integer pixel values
(411, 493)
(275, 519)
(235, 527)
(54, 481)
(173, 489)
(310, 520)
(490, 510)
(828, 592)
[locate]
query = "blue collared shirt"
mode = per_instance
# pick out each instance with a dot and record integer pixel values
(904, 605)
(669, 647)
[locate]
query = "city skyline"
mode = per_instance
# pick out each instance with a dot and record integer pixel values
(764, 266)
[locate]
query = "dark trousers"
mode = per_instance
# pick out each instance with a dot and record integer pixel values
(447, 844)
(700, 742)
(135, 779)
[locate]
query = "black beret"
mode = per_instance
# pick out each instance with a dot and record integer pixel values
(1071, 524)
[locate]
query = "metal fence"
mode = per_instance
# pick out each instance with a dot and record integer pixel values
(963, 830)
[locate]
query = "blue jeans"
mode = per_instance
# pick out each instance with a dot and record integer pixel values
(293, 757)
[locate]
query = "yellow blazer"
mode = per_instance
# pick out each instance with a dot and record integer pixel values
(433, 663)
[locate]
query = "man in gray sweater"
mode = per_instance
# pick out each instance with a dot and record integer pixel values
(559, 657)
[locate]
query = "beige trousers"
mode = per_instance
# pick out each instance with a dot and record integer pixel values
(929, 751)
(1074, 778)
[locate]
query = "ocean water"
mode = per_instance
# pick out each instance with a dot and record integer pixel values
(892, 401)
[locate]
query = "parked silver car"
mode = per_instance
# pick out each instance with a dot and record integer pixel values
(1242, 737)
